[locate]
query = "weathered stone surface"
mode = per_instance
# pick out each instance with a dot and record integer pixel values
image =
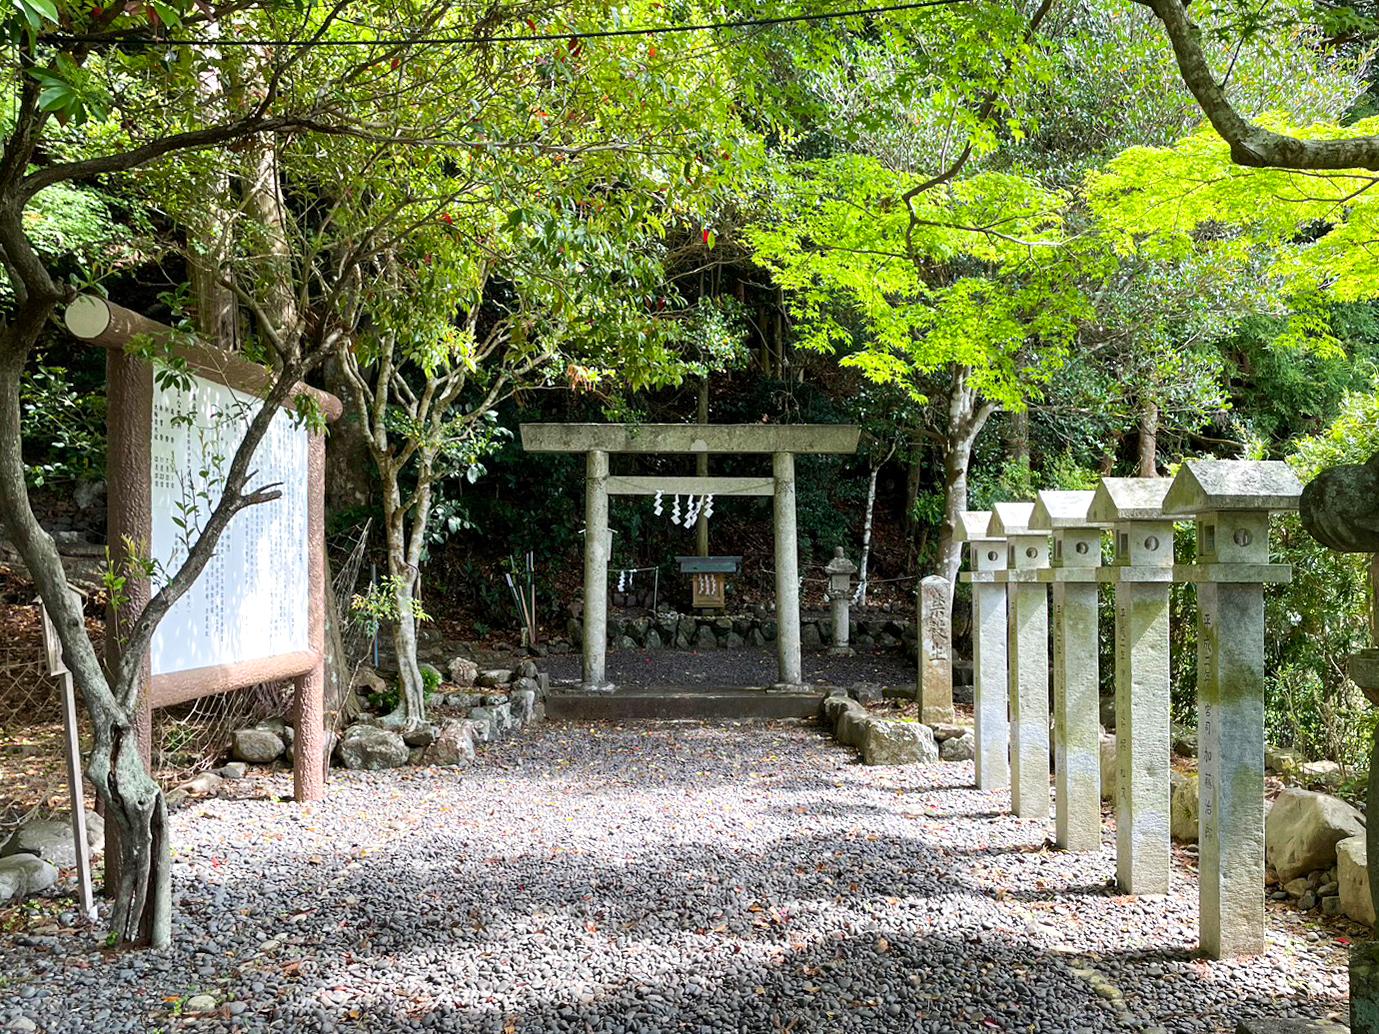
(494, 677)
(367, 680)
(1281, 1026)
(1337, 507)
(462, 672)
(24, 874)
(867, 692)
(205, 783)
(1352, 878)
(233, 770)
(1183, 807)
(422, 735)
(1108, 766)
(897, 743)
(935, 651)
(1321, 773)
(850, 723)
(256, 746)
(522, 703)
(1282, 761)
(959, 748)
(454, 744)
(498, 717)
(947, 730)
(51, 839)
(370, 748)
(1303, 829)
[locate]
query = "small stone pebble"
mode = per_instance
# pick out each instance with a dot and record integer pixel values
(654, 879)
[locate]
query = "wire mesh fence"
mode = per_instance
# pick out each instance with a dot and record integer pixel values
(33, 776)
(187, 739)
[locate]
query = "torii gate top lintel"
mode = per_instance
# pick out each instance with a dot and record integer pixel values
(691, 438)
(780, 441)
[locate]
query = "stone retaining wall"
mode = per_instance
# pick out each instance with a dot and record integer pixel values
(671, 629)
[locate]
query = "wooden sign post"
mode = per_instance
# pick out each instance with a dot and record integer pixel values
(75, 795)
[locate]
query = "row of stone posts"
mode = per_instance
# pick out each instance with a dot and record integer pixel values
(1020, 554)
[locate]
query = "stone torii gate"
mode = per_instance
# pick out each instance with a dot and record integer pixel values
(781, 441)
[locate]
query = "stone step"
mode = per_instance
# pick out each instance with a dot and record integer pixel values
(677, 703)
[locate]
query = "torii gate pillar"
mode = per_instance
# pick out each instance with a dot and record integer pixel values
(780, 441)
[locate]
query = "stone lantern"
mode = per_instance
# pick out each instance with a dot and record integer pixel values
(1142, 573)
(986, 559)
(1027, 655)
(1232, 500)
(840, 571)
(1076, 728)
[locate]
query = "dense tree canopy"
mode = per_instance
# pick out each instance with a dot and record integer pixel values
(1022, 243)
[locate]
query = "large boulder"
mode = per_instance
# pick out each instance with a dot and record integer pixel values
(371, 747)
(897, 743)
(1352, 874)
(1303, 829)
(24, 874)
(494, 677)
(462, 672)
(959, 748)
(51, 839)
(454, 744)
(1182, 808)
(256, 746)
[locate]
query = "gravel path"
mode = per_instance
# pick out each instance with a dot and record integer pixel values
(655, 878)
(745, 666)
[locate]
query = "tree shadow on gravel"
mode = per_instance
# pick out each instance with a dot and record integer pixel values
(874, 983)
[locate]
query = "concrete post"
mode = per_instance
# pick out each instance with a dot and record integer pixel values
(787, 574)
(1027, 655)
(986, 561)
(596, 572)
(840, 571)
(1076, 724)
(1142, 574)
(935, 633)
(1232, 500)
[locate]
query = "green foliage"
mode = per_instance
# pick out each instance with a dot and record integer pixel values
(378, 605)
(63, 427)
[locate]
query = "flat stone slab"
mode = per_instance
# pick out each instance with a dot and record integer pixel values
(1267, 1026)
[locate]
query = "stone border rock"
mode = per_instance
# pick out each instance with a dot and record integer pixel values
(476, 707)
(670, 629)
(889, 741)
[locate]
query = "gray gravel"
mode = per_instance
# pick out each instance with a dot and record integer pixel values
(655, 878)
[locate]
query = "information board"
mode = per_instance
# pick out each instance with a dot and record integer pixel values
(252, 599)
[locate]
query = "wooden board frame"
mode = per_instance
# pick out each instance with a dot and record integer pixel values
(130, 387)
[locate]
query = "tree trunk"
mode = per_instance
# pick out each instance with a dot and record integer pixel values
(136, 820)
(411, 705)
(133, 804)
(1017, 437)
(349, 482)
(1149, 440)
(861, 597)
(966, 418)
